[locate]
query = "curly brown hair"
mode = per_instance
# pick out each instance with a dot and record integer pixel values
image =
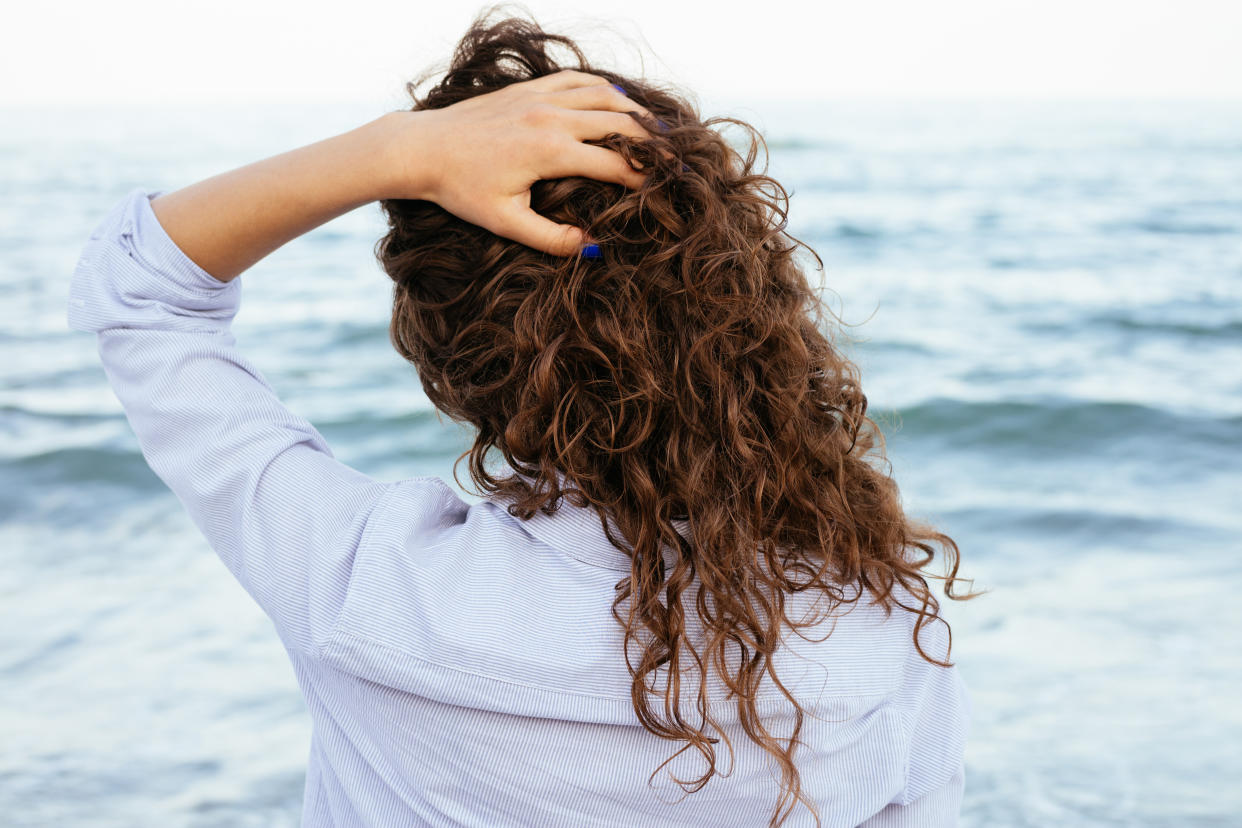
(683, 375)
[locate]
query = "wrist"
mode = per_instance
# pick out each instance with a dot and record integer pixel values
(407, 166)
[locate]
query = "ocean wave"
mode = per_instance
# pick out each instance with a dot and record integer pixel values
(1086, 527)
(354, 333)
(1060, 425)
(1174, 227)
(51, 478)
(1228, 329)
(80, 465)
(17, 413)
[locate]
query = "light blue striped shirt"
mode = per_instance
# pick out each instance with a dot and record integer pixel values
(461, 666)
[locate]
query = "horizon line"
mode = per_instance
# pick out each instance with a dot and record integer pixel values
(743, 99)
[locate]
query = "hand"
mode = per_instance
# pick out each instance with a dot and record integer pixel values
(479, 157)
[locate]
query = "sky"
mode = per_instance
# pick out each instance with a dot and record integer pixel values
(156, 51)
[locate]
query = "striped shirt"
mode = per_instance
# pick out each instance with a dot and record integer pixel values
(462, 666)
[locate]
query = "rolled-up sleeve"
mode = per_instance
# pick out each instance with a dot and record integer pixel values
(261, 484)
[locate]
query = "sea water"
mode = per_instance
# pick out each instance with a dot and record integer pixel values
(1045, 300)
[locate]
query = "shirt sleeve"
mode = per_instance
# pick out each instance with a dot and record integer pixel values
(936, 710)
(939, 808)
(260, 482)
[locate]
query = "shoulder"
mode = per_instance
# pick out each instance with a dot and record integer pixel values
(426, 513)
(862, 646)
(933, 704)
(426, 501)
(422, 510)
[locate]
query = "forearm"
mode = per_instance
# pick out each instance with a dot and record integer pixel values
(228, 222)
(477, 159)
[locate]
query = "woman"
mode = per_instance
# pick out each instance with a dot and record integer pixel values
(591, 277)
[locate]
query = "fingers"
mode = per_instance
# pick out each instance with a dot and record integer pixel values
(524, 225)
(579, 90)
(564, 79)
(592, 126)
(603, 96)
(599, 163)
(595, 111)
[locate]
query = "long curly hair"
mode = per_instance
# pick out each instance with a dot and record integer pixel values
(683, 375)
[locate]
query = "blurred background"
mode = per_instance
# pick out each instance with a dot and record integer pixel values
(1029, 213)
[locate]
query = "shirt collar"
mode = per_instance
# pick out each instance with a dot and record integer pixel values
(578, 532)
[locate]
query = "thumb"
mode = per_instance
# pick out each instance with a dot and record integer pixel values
(524, 225)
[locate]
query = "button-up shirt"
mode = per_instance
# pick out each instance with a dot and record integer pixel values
(462, 666)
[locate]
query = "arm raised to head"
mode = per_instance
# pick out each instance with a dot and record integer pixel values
(476, 159)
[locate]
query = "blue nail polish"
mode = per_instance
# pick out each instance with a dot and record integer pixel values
(591, 251)
(619, 89)
(663, 125)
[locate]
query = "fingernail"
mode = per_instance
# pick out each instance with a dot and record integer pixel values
(619, 89)
(591, 251)
(663, 126)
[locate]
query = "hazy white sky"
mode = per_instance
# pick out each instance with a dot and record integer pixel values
(160, 50)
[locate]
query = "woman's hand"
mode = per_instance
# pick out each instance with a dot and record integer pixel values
(479, 157)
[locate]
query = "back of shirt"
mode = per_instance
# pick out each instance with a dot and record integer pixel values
(478, 670)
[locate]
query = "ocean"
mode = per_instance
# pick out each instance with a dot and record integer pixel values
(1045, 300)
